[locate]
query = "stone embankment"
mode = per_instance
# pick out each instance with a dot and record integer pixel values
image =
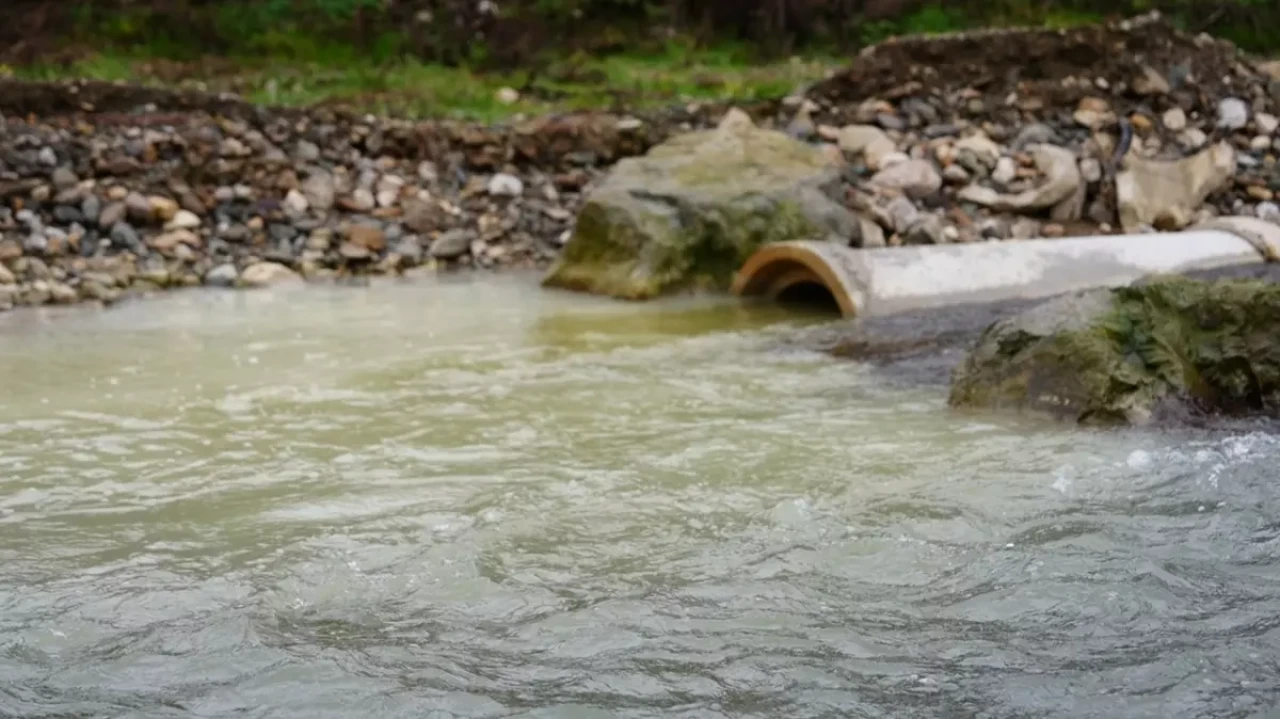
(110, 190)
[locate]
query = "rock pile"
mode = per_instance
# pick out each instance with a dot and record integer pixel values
(96, 205)
(1011, 134)
(109, 189)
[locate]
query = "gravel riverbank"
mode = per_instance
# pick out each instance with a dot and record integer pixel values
(110, 190)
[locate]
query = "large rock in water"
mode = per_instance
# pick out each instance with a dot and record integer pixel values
(691, 211)
(1123, 355)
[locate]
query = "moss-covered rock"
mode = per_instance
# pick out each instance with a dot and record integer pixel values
(1123, 355)
(692, 210)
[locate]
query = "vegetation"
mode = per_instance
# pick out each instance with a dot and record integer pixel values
(442, 57)
(408, 87)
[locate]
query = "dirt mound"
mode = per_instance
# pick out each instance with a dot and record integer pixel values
(1049, 68)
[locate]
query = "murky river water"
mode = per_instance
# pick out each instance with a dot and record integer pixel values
(476, 499)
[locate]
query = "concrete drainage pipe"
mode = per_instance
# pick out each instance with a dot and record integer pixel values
(882, 281)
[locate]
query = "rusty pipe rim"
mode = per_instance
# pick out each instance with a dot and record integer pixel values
(776, 268)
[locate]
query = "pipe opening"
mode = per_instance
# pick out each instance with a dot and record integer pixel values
(790, 273)
(808, 296)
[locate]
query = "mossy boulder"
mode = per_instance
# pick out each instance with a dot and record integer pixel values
(1125, 355)
(691, 211)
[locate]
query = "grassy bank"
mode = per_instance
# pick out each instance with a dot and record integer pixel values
(406, 87)
(381, 56)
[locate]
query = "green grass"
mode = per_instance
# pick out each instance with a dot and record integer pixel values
(300, 72)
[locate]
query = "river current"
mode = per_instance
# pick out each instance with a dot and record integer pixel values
(478, 499)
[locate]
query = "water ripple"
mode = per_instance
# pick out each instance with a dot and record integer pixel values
(371, 503)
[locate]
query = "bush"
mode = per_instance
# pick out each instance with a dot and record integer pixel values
(510, 32)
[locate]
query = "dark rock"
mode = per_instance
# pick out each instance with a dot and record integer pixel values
(354, 252)
(282, 232)
(91, 209)
(89, 244)
(125, 237)
(422, 216)
(1130, 354)
(9, 250)
(1034, 134)
(224, 275)
(367, 235)
(409, 249)
(235, 233)
(890, 121)
(111, 214)
(63, 179)
(35, 244)
(452, 244)
(138, 208)
(66, 215)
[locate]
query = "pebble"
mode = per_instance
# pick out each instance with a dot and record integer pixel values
(307, 151)
(1233, 113)
(1193, 138)
(319, 191)
(91, 209)
(409, 249)
(167, 241)
(1259, 192)
(451, 245)
(902, 213)
(35, 243)
(1266, 123)
(125, 237)
(1174, 119)
(362, 200)
(983, 148)
(223, 275)
(891, 159)
(268, 274)
(137, 208)
(63, 178)
(956, 175)
(296, 202)
(67, 215)
(352, 251)
(368, 236)
(163, 208)
(1024, 228)
(916, 178)
(183, 220)
(1151, 82)
(927, 230)
(1093, 113)
(62, 294)
(1091, 169)
(1268, 211)
(1005, 172)
(504, 185)
(387, 198)
(1036, 133)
